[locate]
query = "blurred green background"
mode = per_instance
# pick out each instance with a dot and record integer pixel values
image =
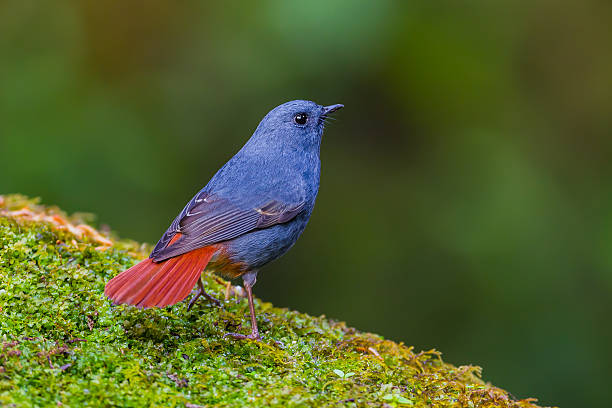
(466, 194)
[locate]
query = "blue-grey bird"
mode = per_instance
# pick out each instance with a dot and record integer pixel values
(251, 212)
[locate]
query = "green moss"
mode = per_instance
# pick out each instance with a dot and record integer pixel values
(63, 342)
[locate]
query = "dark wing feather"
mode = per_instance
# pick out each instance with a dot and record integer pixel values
(276, 212)
(209, 219)
(175, 226)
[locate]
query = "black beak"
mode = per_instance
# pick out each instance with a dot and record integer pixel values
(331, 108)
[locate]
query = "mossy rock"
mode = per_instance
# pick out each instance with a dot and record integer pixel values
(64, 344)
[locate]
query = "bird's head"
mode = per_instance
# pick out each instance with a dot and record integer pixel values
(297, 124)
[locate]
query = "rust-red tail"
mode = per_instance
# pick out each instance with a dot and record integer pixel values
(149, 284)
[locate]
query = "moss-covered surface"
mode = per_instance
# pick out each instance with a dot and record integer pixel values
(64, 344)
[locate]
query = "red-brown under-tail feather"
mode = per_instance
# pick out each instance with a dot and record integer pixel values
(149, 284)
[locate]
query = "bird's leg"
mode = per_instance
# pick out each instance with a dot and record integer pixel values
(249, 280)
(228, 287)
(201, 292)
(254, 329)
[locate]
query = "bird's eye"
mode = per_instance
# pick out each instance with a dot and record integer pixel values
(300, 118)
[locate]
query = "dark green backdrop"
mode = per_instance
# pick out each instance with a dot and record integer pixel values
(465, 202)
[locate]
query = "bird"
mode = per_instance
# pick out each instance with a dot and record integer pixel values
(251, 212)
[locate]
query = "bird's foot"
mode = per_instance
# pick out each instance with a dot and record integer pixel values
(210, 298)
(238, 336)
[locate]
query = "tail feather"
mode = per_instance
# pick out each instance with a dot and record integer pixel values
(170, 273)
(128, 283)
(182, 287)
(164, 284)
(123, 285)
(149, 284)
(168, 288)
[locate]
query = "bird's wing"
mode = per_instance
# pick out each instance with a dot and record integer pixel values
(208, 219)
